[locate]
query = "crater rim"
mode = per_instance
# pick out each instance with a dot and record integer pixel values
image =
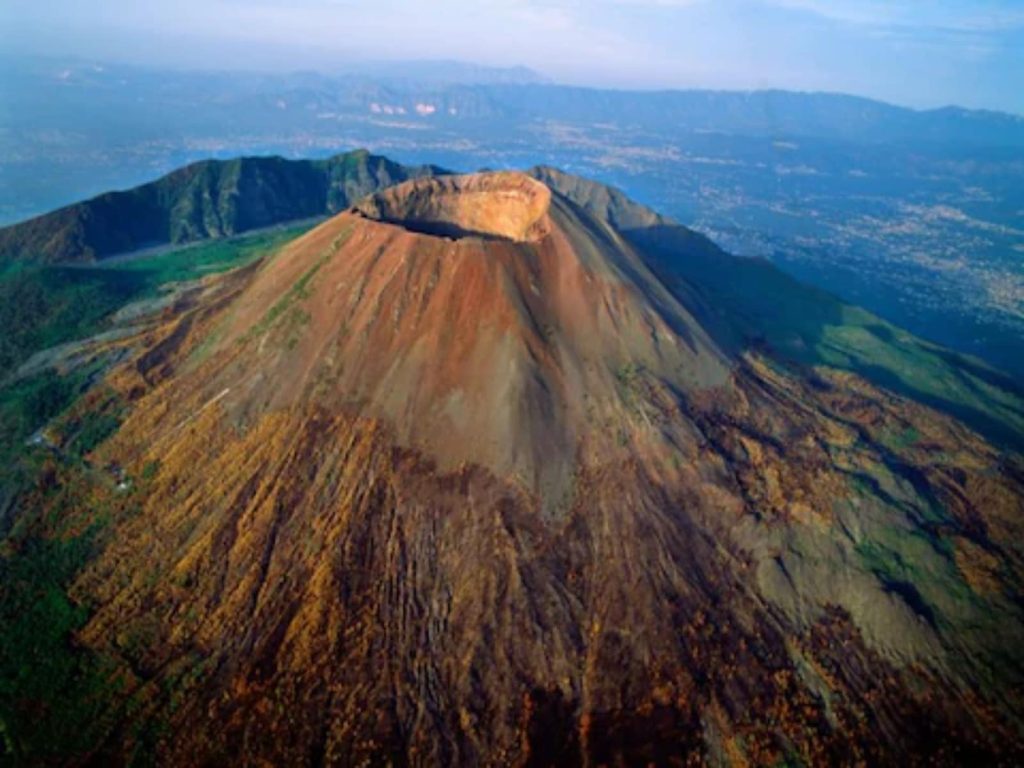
(498, 205)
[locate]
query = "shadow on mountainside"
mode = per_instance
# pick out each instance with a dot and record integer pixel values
(676, 734)
(434, 228)
(748, 302)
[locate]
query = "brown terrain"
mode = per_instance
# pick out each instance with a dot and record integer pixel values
(457, 479)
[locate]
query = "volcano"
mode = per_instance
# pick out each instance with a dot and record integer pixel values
(472, 474)
(484, 319)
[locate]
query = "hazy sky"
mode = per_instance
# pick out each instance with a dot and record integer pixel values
(915, 52)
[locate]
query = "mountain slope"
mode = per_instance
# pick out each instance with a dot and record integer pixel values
(465, 475)
(208, 199)
(752, 302)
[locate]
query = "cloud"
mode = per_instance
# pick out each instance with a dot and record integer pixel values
(969, 16)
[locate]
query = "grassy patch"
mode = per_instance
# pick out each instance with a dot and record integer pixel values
(628, 374)
(42, 306)
(206, 258)
(920, 569)
(82, 429)
(24, 408)
(57, 699)
(286, 305)
(53, 695)
(898, 442)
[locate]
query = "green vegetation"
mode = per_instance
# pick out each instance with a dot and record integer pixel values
(630, 380)
(628, 374)
(29, 403)
(902, 440)
(206, 258)
(94, 430)
(287, 302)
(751, 303)
(83, 430)
(921, 570)
(295, 317)
(149, 470)
(53, 695)
(24, 407)
(44, 306)
(41, 306)
(963, 387)
(58, 700)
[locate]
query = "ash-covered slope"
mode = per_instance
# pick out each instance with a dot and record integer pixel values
(457, 478)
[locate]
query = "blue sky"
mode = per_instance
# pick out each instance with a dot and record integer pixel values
(917, 52)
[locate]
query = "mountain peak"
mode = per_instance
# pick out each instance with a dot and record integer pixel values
(485, 318)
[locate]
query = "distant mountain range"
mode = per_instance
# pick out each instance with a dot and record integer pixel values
(452, 93)
(441, 71)
(765, 114)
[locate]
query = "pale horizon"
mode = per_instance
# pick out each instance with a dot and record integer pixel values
(909, 53)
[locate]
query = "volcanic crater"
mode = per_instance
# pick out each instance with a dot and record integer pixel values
(493, 206)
